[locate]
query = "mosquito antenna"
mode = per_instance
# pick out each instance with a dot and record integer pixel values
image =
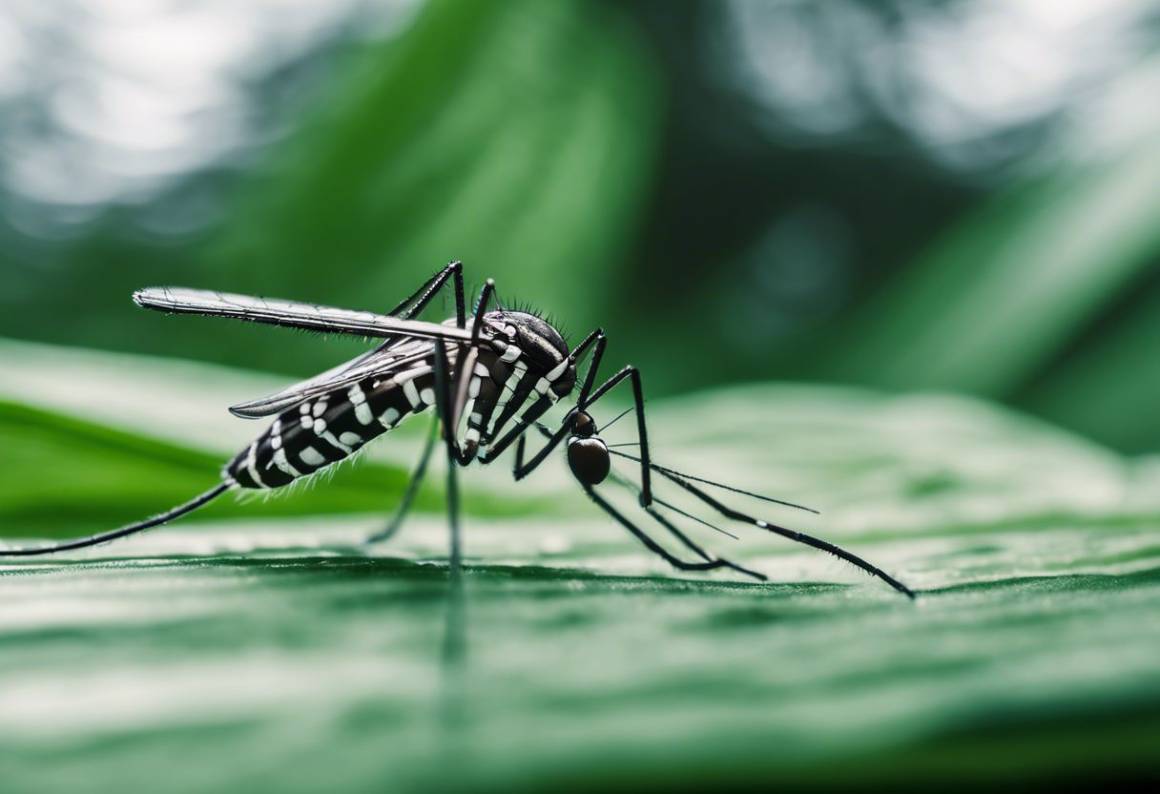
(625, 444)
(93, 540)
(667, 471)
(619, 416)
(798, 537)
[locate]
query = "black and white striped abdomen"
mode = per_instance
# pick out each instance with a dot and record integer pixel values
(327, 429)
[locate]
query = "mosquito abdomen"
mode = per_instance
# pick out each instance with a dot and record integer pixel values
(328, 429)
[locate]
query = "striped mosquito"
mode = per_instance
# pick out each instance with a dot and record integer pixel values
(501, 369)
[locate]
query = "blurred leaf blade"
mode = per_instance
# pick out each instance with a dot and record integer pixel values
(526, 155)
(1001, 295)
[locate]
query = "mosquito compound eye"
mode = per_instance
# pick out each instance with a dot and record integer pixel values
(589, 460)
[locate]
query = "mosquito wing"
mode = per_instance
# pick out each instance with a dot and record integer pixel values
(306, 316)
(380, 363)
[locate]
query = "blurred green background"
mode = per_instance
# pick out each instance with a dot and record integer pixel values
(897, 260)
(907, 195)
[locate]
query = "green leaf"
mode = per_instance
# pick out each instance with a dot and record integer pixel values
(573, 658)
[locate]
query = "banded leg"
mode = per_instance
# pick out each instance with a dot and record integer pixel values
(412, 490)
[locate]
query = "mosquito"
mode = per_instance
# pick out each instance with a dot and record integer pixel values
(502, 369)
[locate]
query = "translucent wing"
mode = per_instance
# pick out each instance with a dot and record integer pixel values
(307, 316)
(379, 363)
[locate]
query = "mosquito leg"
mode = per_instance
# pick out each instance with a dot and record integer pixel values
(530, 417)
(485, 296)
(633, 374)
(443, 406)
(650, 544)
(798, 537)
(684, 539)
(521, 468)
(598, 341)
(689, 544)
(412, 490)
(418, 300)
(104, 537)
(455, 632)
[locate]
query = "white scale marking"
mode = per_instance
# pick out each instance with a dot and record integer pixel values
(319, 428)
(362, 411)
(252, 465)
(409, 389)
(509, 390)
(350, 439)
(411, 393)
(511, 354)
(557, 370)
(473, 387)
(320, 408)
(334, 442)
(509, 385)
(544, 385)
(389, 417)
(311, 457)
(283, 463)
(427, 396)
(763, 525)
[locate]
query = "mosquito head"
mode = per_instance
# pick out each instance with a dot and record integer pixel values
(587, 453)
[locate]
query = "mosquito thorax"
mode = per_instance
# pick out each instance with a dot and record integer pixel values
(587, 453)
(538, 341)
